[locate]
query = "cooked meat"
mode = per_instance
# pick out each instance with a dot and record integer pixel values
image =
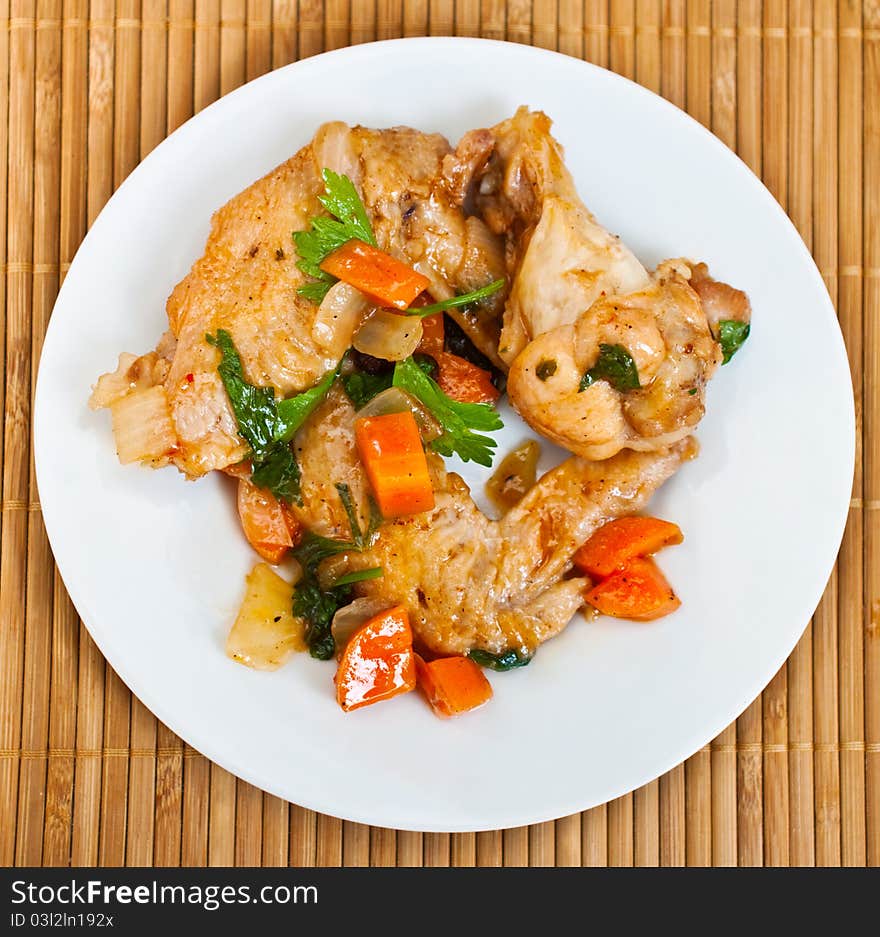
(664, 330)
(469, 582)
(246, 281)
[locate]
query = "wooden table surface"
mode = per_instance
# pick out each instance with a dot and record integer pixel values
(87, 774)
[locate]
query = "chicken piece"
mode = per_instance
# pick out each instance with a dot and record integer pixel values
(575, 288)
(664, 330)
(246, 281)
(470, 582)
(562, 260)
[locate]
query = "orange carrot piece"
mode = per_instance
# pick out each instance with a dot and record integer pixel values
(638, 591)
(617, 542)
(463, 381)
(391, 451)
(453, 685)
(378, 661)
(375, 273)
(263, 521)
(433, 335)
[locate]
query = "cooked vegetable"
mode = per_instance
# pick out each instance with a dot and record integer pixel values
(349, 618)
(731, 336)
(395, 400)
(265, 632)
(362, 387)
(360, 575)
(475, 296)
(615, 365)
(452, 685)
(375, 273)
(638, 591)
(509, 660)
(614, 544)
(338, 317)
(264, 522)
(433, 335)
(459, 420)
(349, 221)
(265, 424)
(391, 451)
(387, 335)
(142, 426)
(378, 661)
(463, 381)
(313, 601)
(514, 476)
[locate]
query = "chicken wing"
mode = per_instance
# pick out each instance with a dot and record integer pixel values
(470, 582)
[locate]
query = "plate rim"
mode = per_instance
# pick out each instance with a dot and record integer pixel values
(381, 818)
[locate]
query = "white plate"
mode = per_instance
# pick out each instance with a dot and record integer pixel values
(155, 565)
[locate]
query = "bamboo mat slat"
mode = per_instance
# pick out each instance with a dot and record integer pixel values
(89, 87)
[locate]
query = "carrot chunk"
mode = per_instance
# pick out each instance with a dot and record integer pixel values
(433, 335)
(638, 591)
(453, 685)
(617, 542)
(391, 451)
(375, 273)
(264, 521)
(378, 661)
(463, 381)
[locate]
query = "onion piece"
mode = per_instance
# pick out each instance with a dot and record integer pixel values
(389, 336)
(348, 619)
(142, 426)
(337, 317)
(513, 478)
(395, 400)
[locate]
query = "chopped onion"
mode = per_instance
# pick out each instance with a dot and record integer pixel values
(337, 318)
(142, 426)
(388, 335)
(513, 478)
(348, 619)
(395, 400)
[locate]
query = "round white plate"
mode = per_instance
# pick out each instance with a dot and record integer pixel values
(155, 565)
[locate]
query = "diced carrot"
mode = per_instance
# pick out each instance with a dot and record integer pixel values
(378, 661)
(263, 521)
(638, 591)
(294, 526)
(391, 451)
(453, 685)
(375, 273)
(463, 381)
(620, 540)
(433, 335)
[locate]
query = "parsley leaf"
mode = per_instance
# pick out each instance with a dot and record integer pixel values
(267, 425)
(731, 336)
(499, 662)
(349, 221)
(362, 387)
(459, 420)
(475, 296)
(615, 365)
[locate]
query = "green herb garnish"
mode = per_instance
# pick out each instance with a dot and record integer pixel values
(316, 605)
(615, 365)
(459, 420)
(475, 296)
(349, 221)
(509, 660)
(546, 369)
(362, 387)
(731, 336)
(359, 575)
(267, 425)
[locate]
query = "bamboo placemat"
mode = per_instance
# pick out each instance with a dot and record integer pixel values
(87, 775)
